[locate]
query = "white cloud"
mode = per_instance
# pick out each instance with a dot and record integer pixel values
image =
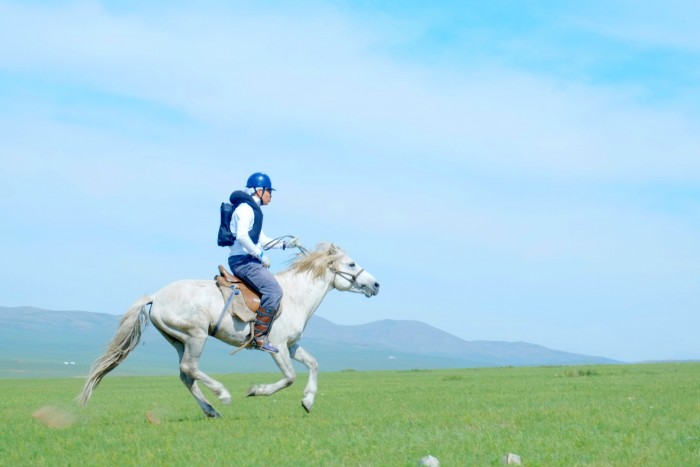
(318, 73)
(669, 24)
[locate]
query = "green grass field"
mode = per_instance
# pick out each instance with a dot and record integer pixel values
(550, 416)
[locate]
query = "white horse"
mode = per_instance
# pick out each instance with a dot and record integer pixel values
(186, 312)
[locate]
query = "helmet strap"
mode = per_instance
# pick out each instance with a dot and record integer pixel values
(259, 195)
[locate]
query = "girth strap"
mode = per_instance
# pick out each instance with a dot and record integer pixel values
(234, 291)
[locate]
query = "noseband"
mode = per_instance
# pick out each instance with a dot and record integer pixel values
(352, 278)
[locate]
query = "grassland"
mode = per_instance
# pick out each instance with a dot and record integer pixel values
(550, 416)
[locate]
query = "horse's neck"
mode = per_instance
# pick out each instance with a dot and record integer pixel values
(305, 292)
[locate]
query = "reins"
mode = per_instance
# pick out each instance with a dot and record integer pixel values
(275, 241)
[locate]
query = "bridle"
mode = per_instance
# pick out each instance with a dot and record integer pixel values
(355, 286)
(352, 278)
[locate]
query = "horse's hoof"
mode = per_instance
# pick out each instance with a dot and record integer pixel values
(251, 391)
(214, 415)
(307, 406)
(226, 400)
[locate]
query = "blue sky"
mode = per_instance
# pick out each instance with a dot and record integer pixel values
(517, 171)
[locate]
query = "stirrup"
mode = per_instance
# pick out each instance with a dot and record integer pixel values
(266, 347)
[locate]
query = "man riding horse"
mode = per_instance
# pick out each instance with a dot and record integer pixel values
(247, 258)
(186, 311)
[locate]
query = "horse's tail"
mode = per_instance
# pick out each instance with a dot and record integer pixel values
(123, 342)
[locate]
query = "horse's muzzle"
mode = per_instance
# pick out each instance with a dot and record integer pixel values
(370, 290)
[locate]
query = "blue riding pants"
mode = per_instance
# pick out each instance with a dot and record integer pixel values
(259, 278)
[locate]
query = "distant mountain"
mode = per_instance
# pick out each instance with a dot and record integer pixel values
(417, 338)
(42, 343)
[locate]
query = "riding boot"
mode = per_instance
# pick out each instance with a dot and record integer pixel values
(262, 325)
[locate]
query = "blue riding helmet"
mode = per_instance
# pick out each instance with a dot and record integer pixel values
(259, 180)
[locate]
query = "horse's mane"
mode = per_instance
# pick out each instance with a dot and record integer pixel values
(316, 262)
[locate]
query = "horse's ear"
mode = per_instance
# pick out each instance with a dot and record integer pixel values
(332, 249)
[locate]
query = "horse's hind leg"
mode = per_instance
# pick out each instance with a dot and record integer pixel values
(190, 382)
(307, 359)
(189, 366)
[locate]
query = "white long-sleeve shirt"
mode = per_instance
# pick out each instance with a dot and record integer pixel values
(241, 225)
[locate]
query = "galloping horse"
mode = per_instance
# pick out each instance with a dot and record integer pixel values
(185, 313)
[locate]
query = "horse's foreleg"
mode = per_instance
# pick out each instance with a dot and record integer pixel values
(285, 364)
(301, 355)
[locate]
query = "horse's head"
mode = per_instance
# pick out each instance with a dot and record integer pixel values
(347, 274)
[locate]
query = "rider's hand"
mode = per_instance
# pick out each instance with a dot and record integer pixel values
(265, 260)
(294, 242)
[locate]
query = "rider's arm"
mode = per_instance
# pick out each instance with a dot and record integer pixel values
(268, 242)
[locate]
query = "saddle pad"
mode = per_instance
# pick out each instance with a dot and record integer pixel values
(238, 306)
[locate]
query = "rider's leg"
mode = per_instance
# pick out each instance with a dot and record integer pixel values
(260, 279)
(262, 325)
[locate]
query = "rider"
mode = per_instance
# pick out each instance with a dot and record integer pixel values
(247, 258)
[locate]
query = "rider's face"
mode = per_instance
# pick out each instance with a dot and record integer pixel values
(265, 197)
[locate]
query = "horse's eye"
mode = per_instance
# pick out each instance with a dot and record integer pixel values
(352, 265)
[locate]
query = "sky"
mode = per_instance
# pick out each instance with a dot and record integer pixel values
(509, 171)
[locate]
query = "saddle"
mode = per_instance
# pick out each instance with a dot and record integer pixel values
(244, 308)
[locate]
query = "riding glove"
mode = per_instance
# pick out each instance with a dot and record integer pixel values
(294, 242)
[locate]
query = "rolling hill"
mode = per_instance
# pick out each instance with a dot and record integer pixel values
(43, 343)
